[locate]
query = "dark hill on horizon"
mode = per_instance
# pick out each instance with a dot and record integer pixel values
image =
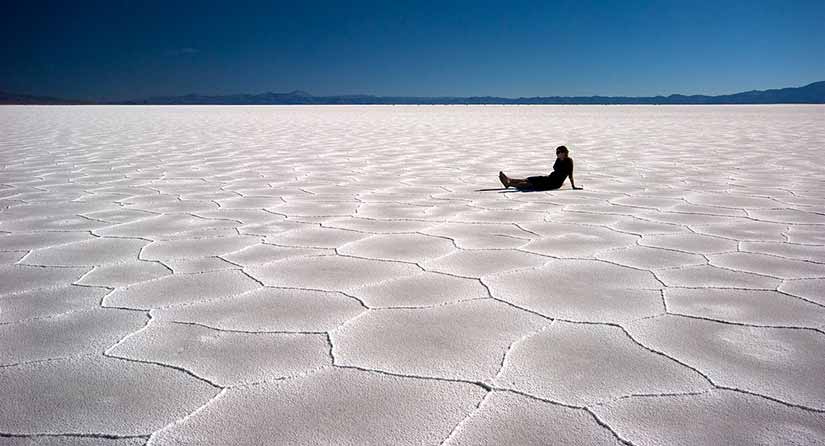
(809, 94)
(25, 99)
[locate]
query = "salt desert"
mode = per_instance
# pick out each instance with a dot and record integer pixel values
(356, 275)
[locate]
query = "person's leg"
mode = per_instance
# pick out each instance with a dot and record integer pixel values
(515, 182)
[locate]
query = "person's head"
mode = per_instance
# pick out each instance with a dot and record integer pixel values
(561, 152)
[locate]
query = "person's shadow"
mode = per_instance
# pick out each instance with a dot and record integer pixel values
(503, 190)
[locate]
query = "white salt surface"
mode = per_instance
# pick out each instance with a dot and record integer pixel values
(356, 275)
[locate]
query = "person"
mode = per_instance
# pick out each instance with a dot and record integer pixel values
(562, 168)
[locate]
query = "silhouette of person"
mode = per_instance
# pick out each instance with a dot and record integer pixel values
(562, 168)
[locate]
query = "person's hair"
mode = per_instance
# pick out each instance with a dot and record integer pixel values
(561, 149)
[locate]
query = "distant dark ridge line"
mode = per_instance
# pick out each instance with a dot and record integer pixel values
(809, 94)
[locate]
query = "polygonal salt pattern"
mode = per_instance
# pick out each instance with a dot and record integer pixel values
(714, 277)
(329, 407)
(164, 225)
(46, 302)
(21, 241)
(332, 273)
(769, 265)
(400, 247)
(17, 278)
(715, 417)
(269, 310)
(508, 418)
(582, 365)
(67, 334)
(101, 396)
(780, 363)
(199, 265)
(810, 289)
(757, 307)
(482, 236)
(276, 259)
(226, 358)
(124, 274)
(568, 240)
(91, 252)
(690, 243)
(650, 258)
(477, 263)
(315, 237)
(420, 290)
(263, 253)
(613, 293)
(186, 249)
(425, 342)
(786, 250)
(181, 288)
(747, 230)
(68, 440)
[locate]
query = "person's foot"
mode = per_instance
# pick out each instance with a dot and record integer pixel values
(503, 178)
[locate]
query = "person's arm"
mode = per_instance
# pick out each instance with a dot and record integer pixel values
(572, 183)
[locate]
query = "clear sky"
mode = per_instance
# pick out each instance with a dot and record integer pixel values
(117, 49)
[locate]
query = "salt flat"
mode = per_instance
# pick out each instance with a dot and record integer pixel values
(357, 276)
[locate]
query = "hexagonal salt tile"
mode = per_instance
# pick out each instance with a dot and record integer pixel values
(586, 364)
(650, 258)
(509, 419)
(94, 395)
(568, 240)
(725, 417)
(460, 341)
(646, 228)
(181, 288)
(477, 263)
(29, 241)
(124, 274)
(807, 235)
(226, 358)
(746, 230)
(377, 226)
(48, 302)
(269, 309)
(769, 265)
(69, 440)
(401, 247)
(18, 278)
(66, 334)
(203, 247)
(713, 277)
(482, 236)
(809, 289)
(333, 406)
(582, 290)
(315, 237)
(165, 225)
(263, 253)
(788, 250)
(90, 252)
(745, 306)
(420, 290)
(328, 272)
(777, 362)
(199, 265)
(690, 243)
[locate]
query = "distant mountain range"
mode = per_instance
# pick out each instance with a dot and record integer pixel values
(809, 94)
(25, 99)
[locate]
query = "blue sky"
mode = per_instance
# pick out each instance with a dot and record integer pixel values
(120, 49)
